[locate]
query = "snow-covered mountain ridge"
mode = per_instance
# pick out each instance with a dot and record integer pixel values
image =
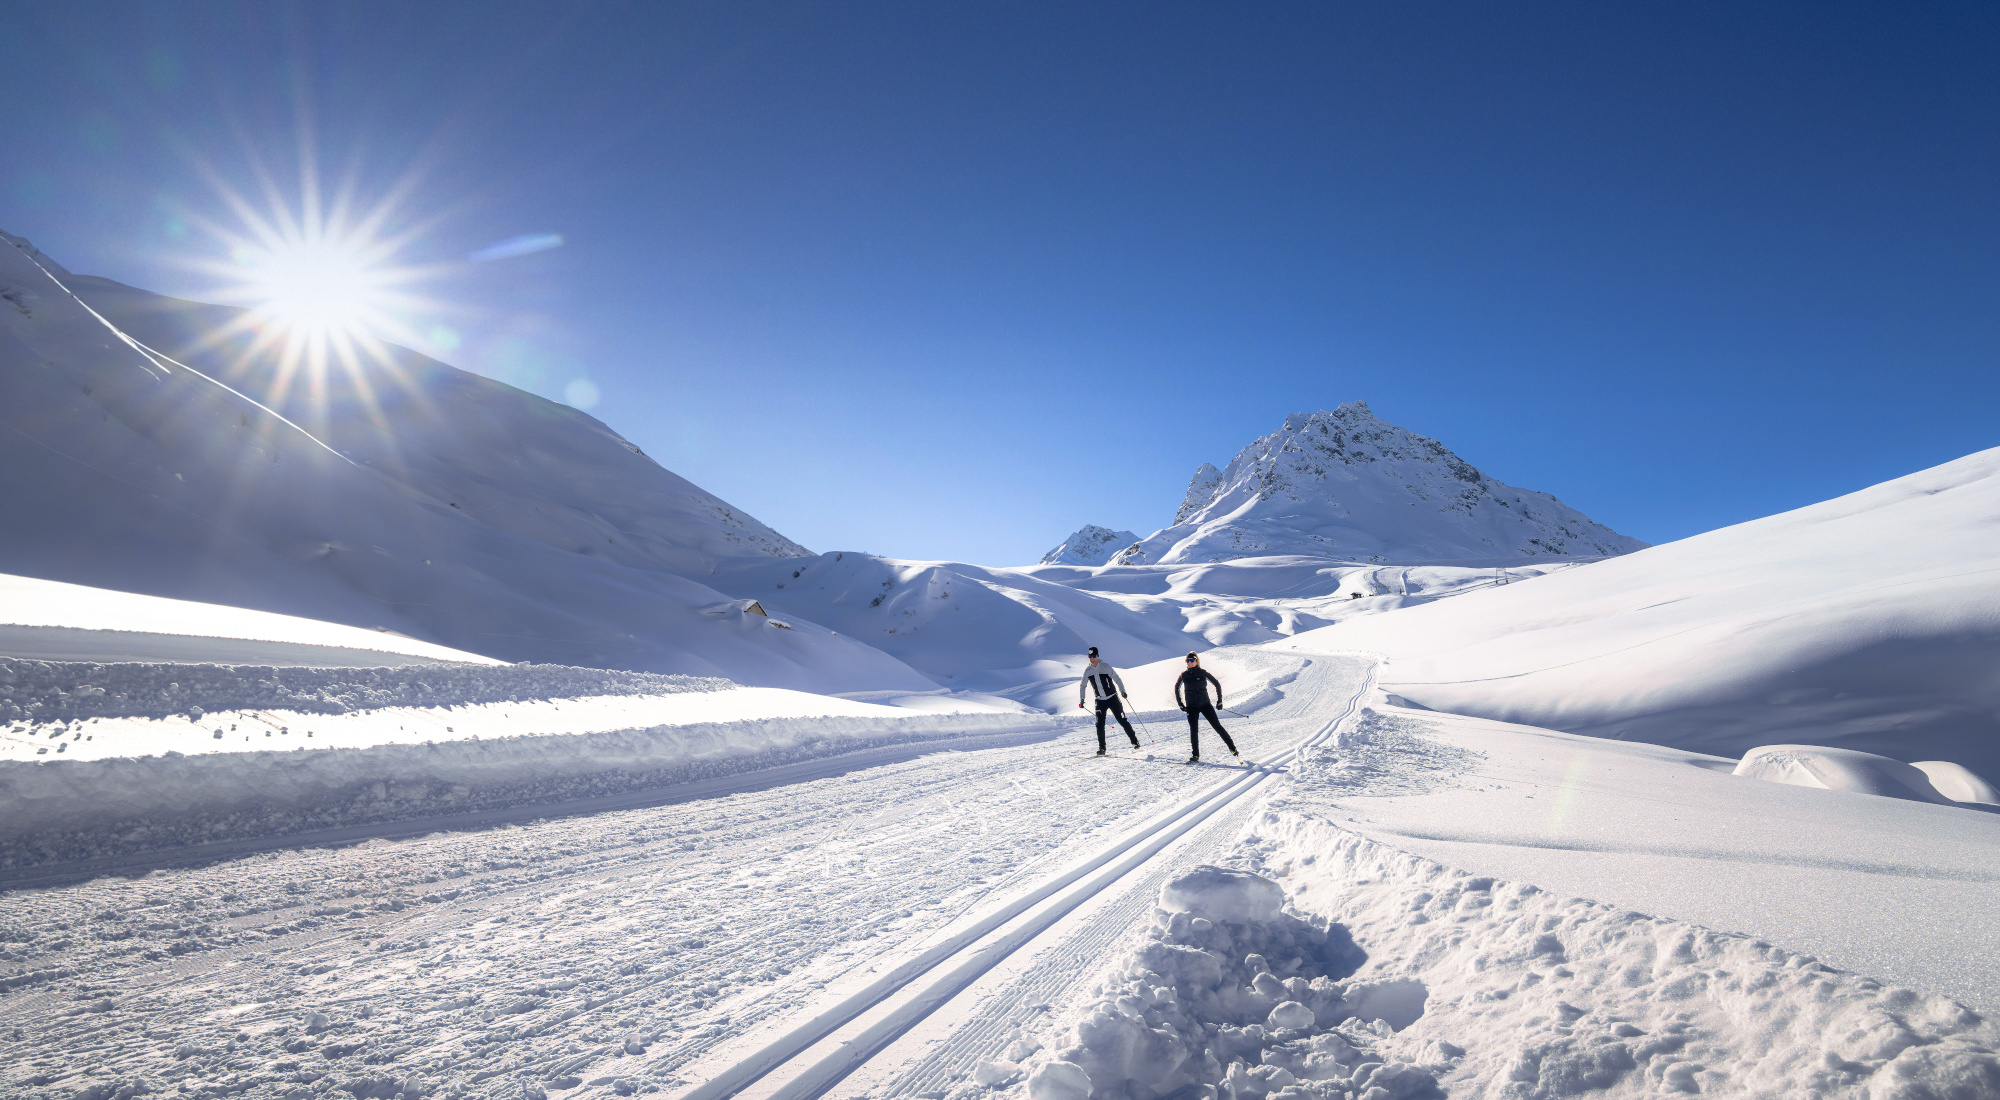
(145, 447)
(1090, 545)
(1348, 485)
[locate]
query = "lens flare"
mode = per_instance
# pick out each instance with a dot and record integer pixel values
(323, 285)
(316, 288)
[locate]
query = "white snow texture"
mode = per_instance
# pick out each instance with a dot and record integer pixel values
(1869, 622)
(150, 448)
(1346, 484)
(1090, 545)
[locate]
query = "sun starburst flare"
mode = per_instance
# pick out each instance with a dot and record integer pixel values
(324, 284)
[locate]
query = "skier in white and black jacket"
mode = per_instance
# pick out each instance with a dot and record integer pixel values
(1102, 679)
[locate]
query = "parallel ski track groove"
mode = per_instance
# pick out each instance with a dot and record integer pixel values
(975, 950)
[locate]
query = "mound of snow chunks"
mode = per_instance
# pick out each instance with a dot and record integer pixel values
(1229, 998)
(48, 691)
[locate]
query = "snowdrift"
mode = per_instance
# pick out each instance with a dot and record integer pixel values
(1869, 622)
(401, 495)
(1839, 770)
(1388, 976)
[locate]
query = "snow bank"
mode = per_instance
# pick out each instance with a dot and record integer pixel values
(1389, 976)
(1869, 622)
(34, 692)
(71, 808)
(69, 622)
(108, 757)
(1839, 770)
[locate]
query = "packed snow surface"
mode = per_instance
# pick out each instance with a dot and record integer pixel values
(1443, 905)
(1868, 622)
(1900, 890)
(1407, 912)
(72, 622)
(150, 447)
(1090, 545)
(97, 759)
(1346, 484)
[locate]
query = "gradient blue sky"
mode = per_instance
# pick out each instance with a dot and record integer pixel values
(950, 280)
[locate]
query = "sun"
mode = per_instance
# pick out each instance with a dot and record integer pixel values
(318, 289)
(323, 284)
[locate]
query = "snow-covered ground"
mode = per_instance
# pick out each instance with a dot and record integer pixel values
(567, 954)
(99, 759)
(52, 621)
(1423, 898)
(1500, 911)
(1868, 622)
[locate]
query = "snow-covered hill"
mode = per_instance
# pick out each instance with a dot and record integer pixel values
(405, 495)
(1869, 622)
(1346, 484)
(995, 629)
(1090, 545)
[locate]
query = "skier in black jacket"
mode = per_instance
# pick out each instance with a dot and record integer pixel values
(1191, 692)
(1104, 681)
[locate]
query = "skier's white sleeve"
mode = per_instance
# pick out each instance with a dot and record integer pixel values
(1119, 680)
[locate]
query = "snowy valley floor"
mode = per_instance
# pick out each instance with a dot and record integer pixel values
(647, 950)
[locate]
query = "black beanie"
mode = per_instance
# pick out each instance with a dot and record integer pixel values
(1093, 651)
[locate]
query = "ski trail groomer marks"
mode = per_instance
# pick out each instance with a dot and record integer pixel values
(905, 995)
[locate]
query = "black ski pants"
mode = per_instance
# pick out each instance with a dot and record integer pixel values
(1195, 711)
(1117, 710)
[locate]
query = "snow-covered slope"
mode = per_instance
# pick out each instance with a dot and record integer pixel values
(1346, 484)
(1869, 622)
(996, 629)
(52, 621)
(1090, 545)
(410, 496)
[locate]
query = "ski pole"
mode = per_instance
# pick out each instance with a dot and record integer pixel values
(1142, 725)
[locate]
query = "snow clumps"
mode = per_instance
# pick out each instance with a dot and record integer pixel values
(1229, 996)
(49, 691)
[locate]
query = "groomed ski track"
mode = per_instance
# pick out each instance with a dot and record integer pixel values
(842, 1040)
(642, 948)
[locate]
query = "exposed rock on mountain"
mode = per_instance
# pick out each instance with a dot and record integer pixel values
(1091, 545)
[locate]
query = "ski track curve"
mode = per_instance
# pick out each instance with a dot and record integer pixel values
(599, 953)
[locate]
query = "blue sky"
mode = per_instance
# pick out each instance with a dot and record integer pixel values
(953, 280)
